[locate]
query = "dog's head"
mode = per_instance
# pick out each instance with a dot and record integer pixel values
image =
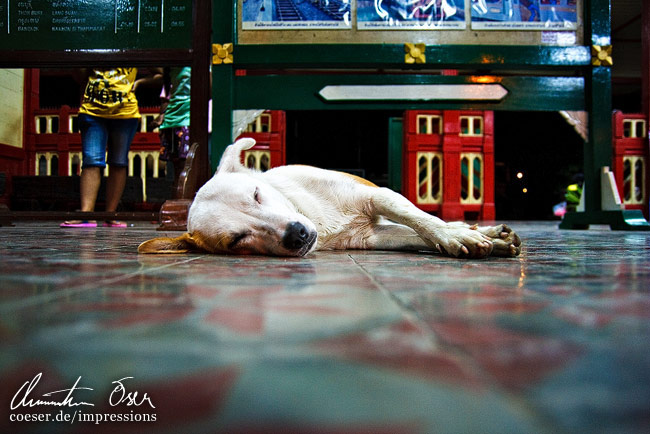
(238, 212)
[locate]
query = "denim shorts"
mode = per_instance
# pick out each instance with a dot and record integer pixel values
(99, 135)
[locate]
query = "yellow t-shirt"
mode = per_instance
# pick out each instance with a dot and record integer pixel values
(109, 94)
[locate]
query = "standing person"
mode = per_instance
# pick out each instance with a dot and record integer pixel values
(174, 130)
(108, 120)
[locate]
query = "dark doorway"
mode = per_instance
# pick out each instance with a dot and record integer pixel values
(347, 140)
(547, 153)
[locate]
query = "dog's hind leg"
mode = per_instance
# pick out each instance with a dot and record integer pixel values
(454, 239)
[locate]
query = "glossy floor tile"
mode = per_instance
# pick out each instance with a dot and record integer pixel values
(556, 340)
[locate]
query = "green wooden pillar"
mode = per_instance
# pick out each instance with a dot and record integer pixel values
(598, 148)
(598, 96)
(395, 146)
(224, 14)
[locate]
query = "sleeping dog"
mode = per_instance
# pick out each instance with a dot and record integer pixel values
(295, 210)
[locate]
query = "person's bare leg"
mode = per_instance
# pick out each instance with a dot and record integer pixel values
(91, 178)
(115, 187)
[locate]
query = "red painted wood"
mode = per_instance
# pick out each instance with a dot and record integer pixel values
(451, 144)
(625, 146)
(274, 141)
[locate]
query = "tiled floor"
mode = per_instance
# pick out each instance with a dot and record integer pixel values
(557, 340)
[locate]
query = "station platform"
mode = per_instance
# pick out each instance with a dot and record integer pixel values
(556, 340)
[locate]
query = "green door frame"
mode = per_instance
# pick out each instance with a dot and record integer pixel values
(571, 80)
(395, 147)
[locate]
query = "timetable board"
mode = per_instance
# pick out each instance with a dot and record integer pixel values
(95, 24)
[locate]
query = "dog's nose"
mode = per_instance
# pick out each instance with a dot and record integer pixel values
(295, 236)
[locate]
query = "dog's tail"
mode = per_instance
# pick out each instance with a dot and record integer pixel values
(231, 158)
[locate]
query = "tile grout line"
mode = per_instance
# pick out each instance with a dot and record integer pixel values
(407, 313)
(52, 296)
(462, 355)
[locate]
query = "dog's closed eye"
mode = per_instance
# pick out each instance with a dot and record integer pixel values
(236, 239)
(256, 195)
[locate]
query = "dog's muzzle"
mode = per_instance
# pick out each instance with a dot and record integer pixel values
(298, 238)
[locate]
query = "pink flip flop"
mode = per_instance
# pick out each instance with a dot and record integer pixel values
(81, 224)
(114, 224)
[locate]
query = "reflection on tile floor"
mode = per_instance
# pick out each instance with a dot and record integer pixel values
(556, 340)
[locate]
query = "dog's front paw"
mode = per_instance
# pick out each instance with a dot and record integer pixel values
(506, 241)
(463, 242)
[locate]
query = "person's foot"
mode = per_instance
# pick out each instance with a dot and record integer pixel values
(79, 224)
(114, 224)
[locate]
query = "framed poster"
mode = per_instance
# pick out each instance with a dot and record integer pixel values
(410, 14)
(524, 14)
(434, 22)
(295, 14)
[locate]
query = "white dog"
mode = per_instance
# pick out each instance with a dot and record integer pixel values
(294, 210)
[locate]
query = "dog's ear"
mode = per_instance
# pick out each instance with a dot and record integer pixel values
(231, 158)
(183, 244)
